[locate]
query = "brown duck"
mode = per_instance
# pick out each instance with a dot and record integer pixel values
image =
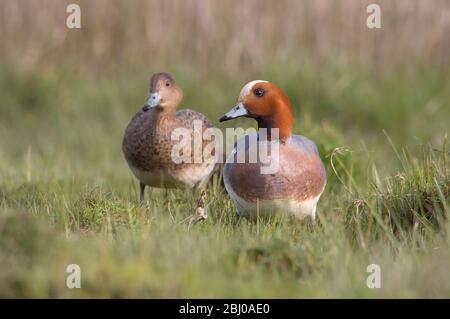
(148, 142)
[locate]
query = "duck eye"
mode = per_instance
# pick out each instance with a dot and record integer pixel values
(259, 92)
(167, 83)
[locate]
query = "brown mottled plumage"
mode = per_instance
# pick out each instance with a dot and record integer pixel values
(147, 143)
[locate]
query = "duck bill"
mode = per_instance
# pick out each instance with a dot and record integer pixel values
(237, 111)
(152, 101)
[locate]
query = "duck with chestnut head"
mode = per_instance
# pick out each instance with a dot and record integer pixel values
(148, 144)
(297, 184)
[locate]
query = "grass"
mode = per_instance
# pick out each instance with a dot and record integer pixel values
(67, 196)
(376, 102)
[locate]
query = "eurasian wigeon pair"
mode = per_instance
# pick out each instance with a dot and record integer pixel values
(295, 187)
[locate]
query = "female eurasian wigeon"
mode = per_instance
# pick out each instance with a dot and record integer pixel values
(147, 144)
(299, 180)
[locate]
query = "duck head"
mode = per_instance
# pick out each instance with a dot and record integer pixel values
(163, 93)
(267, 104)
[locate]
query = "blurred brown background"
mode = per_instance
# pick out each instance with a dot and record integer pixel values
(226, 35)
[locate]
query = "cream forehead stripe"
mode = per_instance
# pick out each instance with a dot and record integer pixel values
(248, 87)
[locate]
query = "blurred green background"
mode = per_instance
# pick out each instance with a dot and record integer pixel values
(67, 95)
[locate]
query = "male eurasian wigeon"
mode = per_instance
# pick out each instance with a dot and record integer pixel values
(295, 187)
(147, 143)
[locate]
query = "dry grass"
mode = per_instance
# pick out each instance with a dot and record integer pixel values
(231, 35)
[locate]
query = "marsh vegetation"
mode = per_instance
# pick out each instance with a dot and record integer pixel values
(377, 103)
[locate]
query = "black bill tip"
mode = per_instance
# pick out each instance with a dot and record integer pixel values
(224, 118)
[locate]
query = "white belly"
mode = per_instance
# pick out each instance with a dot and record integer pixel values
(188, 177)
(299, 209)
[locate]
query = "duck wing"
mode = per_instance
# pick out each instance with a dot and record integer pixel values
(186, 117)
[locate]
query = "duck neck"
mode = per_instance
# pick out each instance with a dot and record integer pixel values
(281, 119)
(165, 113)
